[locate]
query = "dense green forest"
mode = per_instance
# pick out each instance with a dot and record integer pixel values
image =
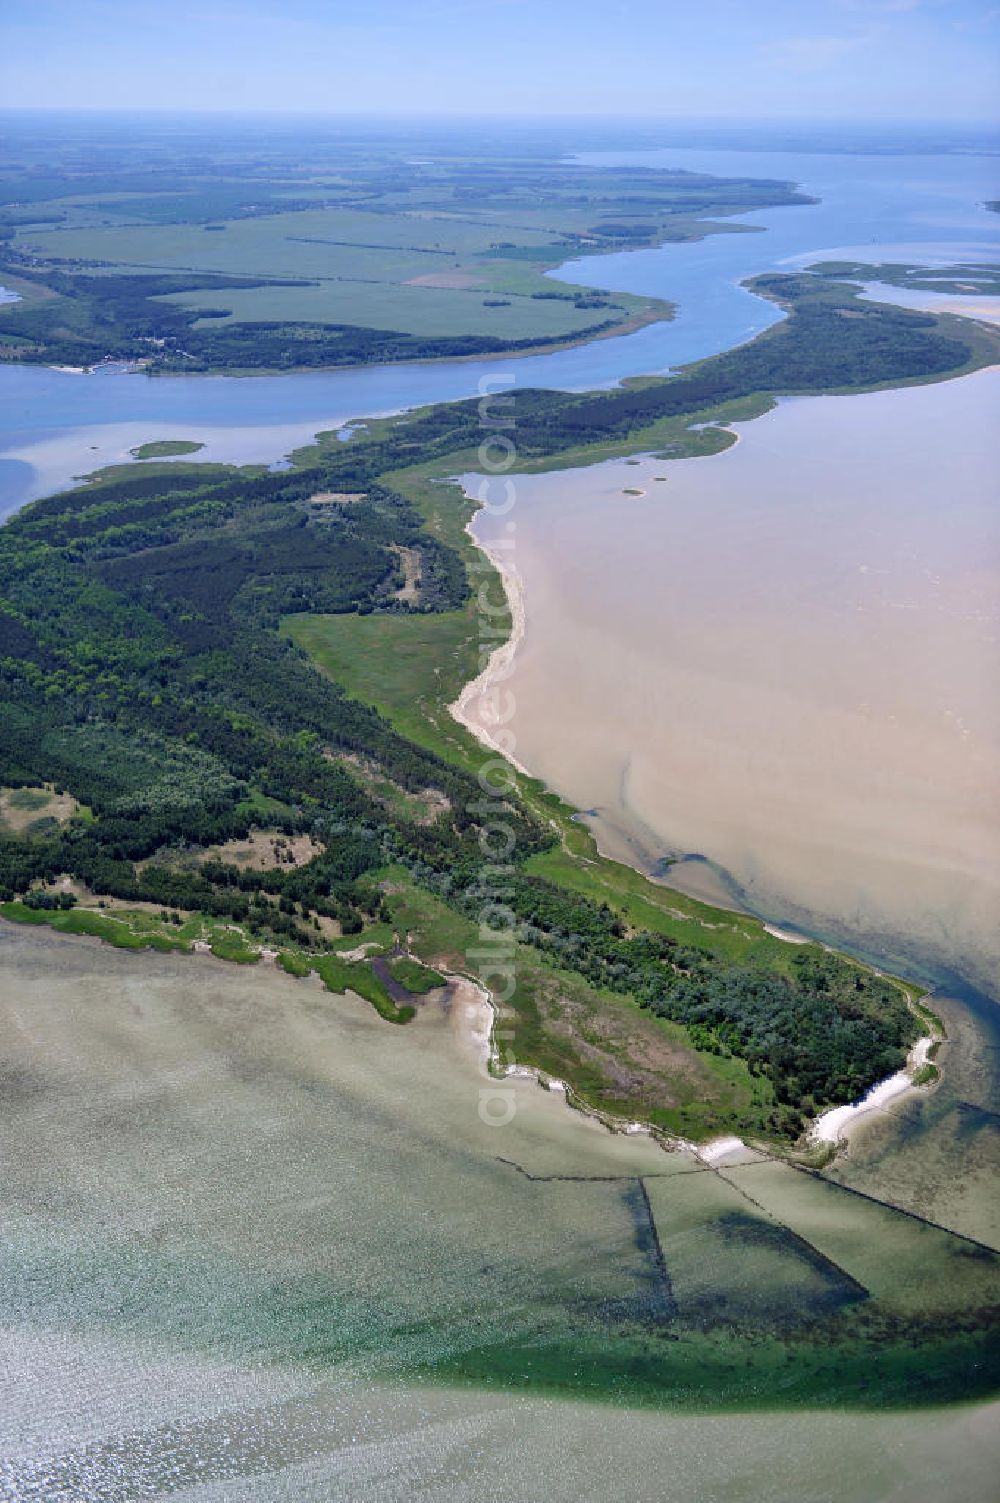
(832, 339)
(141, 672)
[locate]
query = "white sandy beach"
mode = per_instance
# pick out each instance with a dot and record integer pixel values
(836, 1125)
(478, 706)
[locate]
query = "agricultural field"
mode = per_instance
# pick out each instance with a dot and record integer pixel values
(301, 259)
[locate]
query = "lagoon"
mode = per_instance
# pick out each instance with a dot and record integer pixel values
(257, 1239)
(57, 425)
(783, 658)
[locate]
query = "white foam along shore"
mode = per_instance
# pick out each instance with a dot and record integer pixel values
(719, 1149)
(478, 707)
(834, 1127)
(787, 936)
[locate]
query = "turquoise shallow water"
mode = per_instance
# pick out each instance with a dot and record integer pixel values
(259, 1244)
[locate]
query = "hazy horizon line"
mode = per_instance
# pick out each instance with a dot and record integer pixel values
(924, 122)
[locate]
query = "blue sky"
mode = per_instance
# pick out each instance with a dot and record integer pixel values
(868, 59)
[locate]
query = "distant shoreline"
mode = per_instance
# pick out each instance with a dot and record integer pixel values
(665, 313)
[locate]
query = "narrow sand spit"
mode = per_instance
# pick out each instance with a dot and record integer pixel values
(787, 936)
(478, 705)
(472, 1018)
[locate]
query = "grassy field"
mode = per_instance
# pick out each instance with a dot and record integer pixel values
(405, 666)
(614, 1057)
(138, 929)
(416, 978)
(385, 240)
(410, 668)
(113, 930)
(384, 303)
(433, 278)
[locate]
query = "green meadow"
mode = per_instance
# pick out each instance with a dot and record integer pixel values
(430, 252)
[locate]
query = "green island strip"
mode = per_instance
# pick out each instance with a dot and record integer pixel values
(968, 277)
(165, 448)
(226, 729)
(240, 682)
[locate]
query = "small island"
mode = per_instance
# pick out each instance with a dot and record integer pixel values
(165, 448)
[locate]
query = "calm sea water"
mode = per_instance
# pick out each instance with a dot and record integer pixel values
(56, 425)
(784, 658)
(246, 1222)
(259, 1244)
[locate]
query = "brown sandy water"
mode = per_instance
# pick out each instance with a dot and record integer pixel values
(785, 658)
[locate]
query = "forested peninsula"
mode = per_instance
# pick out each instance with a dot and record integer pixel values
(225, 726)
